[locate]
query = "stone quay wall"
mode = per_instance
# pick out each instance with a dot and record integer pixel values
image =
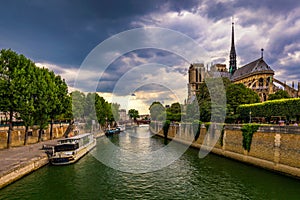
(22, 169)
(18, 134)
(276, 148)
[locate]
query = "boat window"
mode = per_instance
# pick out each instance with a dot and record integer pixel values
(66, 147)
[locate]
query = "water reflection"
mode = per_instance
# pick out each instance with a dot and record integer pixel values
(136, 152)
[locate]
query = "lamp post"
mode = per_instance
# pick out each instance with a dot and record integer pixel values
(250, 116)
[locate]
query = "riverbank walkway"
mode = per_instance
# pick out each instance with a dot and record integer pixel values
(19, 161)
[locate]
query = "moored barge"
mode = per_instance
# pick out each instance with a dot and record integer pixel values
(70, 150)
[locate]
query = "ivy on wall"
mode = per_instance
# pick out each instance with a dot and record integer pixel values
(222, 135)
(248, 130)
(166, 127)
(196, 128)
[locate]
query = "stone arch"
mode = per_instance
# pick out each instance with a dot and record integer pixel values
(254, 82)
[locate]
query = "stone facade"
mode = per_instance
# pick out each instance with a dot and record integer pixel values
(197, 76)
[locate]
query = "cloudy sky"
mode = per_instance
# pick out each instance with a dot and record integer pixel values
(136, 52)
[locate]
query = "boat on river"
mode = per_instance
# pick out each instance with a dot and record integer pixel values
(113, 131)
(122, 127)
(70, 150)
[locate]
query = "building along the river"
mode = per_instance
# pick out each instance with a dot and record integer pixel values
(257, 75)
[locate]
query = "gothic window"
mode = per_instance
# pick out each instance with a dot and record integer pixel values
(267, 81)
(261, 82)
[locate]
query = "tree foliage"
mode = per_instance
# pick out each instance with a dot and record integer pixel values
(78, 105)
(34, 94)
(133, 114)
(87, 108)
(280, 94)
(236, 94)
(157, 111)
(174, 112)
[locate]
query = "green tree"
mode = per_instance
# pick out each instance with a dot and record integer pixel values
(59, 99)
(110, 116)
(238, 94)
(78, 104)
(43, 100)
(31, 93)
(192, 111)
(133, 114)
(157, 110)
(204, 103)
(90, 109)
(280, 94)
(10, 69)
(174, 112)
(115, 111)
(26, 83)
(101, 110)
(106, 112)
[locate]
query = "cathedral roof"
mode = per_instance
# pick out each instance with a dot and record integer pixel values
(257, 66)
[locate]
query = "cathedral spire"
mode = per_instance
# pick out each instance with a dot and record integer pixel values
(232, 56)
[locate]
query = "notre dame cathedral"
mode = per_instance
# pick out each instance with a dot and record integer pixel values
(256, 75)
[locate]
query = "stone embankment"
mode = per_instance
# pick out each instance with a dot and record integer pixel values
(17, 162)
(276, 148)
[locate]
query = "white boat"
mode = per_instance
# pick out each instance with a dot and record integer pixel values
(121, 127)
(144, 125)
(70, 150)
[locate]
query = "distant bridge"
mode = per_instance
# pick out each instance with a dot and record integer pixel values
(290, 90)
(143, 121)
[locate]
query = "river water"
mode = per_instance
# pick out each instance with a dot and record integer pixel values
(189, 177)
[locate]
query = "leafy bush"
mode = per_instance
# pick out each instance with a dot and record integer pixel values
(282, 107)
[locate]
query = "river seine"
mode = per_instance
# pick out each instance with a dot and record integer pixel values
(189, 177)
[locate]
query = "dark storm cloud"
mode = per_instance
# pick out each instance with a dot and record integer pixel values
(218, 10)
(64, 32)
